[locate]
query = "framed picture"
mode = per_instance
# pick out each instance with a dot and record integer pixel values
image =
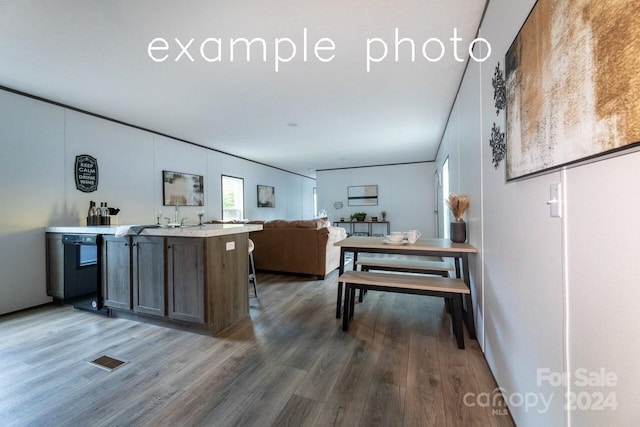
(182, 189)
(266, 196)
(572, 85)
(362, 195)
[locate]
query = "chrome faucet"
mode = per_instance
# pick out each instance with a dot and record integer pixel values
(177, 220)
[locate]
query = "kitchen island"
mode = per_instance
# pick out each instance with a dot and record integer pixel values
(194, 277)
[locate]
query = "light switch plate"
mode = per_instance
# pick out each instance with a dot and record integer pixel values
(555, 200)
(231, 246)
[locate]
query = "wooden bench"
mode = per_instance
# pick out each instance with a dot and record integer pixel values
(448, 288)
(406, 265)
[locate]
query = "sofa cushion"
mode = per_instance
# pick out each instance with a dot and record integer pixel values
(277, 223)
(304, 224)
(314, 224)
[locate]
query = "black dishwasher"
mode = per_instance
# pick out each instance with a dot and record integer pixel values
(82, 287)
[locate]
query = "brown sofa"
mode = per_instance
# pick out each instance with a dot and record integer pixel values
(301, 247)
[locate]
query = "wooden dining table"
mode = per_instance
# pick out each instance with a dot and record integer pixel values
(424, 246)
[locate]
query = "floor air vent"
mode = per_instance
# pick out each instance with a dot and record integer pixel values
(107, 363)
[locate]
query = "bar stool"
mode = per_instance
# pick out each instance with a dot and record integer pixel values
(252, 268)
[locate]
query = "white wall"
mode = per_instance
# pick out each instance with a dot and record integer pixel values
(603, 271)
(32, 188)
(462, 144)
(405, 192)
(547, 289)
(40, 142)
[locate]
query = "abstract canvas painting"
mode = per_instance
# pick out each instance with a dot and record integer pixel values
(573, 84)
(362, 195)
(266, 196)
(182, 189)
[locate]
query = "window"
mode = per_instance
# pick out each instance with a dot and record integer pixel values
(315, 202)
(232, 198)
(445, 195)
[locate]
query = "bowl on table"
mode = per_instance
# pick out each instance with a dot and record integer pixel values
(395, 238)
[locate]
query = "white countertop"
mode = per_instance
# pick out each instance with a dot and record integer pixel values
(206, 230)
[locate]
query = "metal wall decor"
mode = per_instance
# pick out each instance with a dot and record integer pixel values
(498, 145)
(499, 90)
(497, 140)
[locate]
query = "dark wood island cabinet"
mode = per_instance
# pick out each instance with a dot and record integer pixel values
(186, 279)
(194, 276)
(116, 272)
(148, 280)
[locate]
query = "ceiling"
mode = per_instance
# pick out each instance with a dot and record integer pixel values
(309, 115)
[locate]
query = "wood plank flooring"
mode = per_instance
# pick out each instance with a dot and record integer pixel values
(289, 365)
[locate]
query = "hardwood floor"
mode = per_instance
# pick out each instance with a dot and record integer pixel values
(289, 365)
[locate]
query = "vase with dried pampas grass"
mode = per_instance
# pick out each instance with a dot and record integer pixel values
(458, 203)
